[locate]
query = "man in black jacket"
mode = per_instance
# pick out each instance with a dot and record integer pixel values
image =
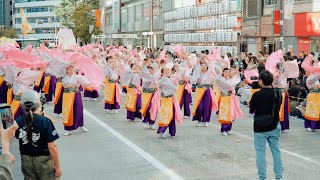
(267, 102)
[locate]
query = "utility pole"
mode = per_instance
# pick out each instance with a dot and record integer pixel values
(151, 25)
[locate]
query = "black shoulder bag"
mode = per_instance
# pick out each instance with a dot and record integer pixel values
(264, 121)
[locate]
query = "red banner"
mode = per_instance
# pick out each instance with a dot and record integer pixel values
(304, 44)
(307, 24)
(276, 22)
(98, 17)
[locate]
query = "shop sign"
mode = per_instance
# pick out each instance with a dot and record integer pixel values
(276, 23)
(307, 24)
(304, 44)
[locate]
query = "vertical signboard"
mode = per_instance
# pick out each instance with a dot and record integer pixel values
(276, 19)
(115, 14)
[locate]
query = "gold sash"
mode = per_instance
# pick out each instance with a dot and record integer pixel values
(166, 112)
(88, 89)
(281, 112)
(67, 110)
(146, 99)
(179, 92)
(109, 92)
(131, 100)
(57, 92)
(37, 83)
(46, 84)
(224, 116)
(1, 80)
(313, 107)
(199, 94)
(15, 106)
(9, 96)
(217, 92)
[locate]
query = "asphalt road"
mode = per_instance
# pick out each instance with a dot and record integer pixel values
(117, 149)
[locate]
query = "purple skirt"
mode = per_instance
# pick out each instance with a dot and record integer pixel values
(3, 92)
(137, 114)
(113, 106)
(52, 89)
(312, 124)
(58, 106)
(89, 94)
(285, 122)
(80, 88)
(204, 110)
(77, 113)
(185, 102)
(39, 88)
(172, 126)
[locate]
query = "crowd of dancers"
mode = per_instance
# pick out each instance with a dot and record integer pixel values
(155, 85)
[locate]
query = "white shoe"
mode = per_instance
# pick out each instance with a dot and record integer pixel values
(153, 127)
(84, 129)
(115, 112)
(111, 111)
(67, 133)
(172, 137)
(86, 99)
(229, 132)
(186, 117)
(199, 124)
(205, 124)
(49, 102)
(224, 133)
(191, 103)
(162, 135)
(145, 125)
(311, 130)
(60, 115)
(94, 99)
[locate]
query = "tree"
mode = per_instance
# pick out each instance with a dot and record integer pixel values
(96, 31)
(9, 33)
(82, 18)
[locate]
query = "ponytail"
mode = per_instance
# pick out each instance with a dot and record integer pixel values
(28, 120)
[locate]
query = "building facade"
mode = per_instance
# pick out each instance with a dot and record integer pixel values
(265, 29)
(5, 14)
(40, 15)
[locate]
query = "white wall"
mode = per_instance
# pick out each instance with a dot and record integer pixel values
(183, 3)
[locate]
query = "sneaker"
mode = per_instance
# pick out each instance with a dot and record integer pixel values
(67, 133)
(152, 126)
(172, 137)
(84, 129)
(311, 130)
(229, 132)
(111, 111)
(206, 124)
(86, 99)
(115, 112)
(145, 125)
(199, 124)
(191, 103)
(94, 99)
(224, 133)
(60, 115)
(186, 117)
(162, 135)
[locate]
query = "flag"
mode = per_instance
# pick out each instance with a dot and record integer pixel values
(288, 7)
(25, 26)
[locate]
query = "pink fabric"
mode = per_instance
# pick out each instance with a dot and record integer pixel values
(162, 55)
(109, 48)
(226, 62)
(188, 87)
(215, 106)
(91, 69)
(250, 73)
(29, 48)
(21, 59)
(118, 93)
(273, 60)
(27, 77)
(123, 49)
(235, 110)
(178, 114)
(215, 55)
(306, 65)
(178, 49)
(291, 69)
(155, 108)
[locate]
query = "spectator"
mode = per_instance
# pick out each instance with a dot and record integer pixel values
(6, 158)
(244, 92)
(294, 91)
(37, 136)
(267, 129)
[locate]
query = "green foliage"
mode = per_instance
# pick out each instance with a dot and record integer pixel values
(9, 33)
(78, 15)
(96, 31)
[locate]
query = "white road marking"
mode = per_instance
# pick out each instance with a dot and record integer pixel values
(157, 164)
(283, 150)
